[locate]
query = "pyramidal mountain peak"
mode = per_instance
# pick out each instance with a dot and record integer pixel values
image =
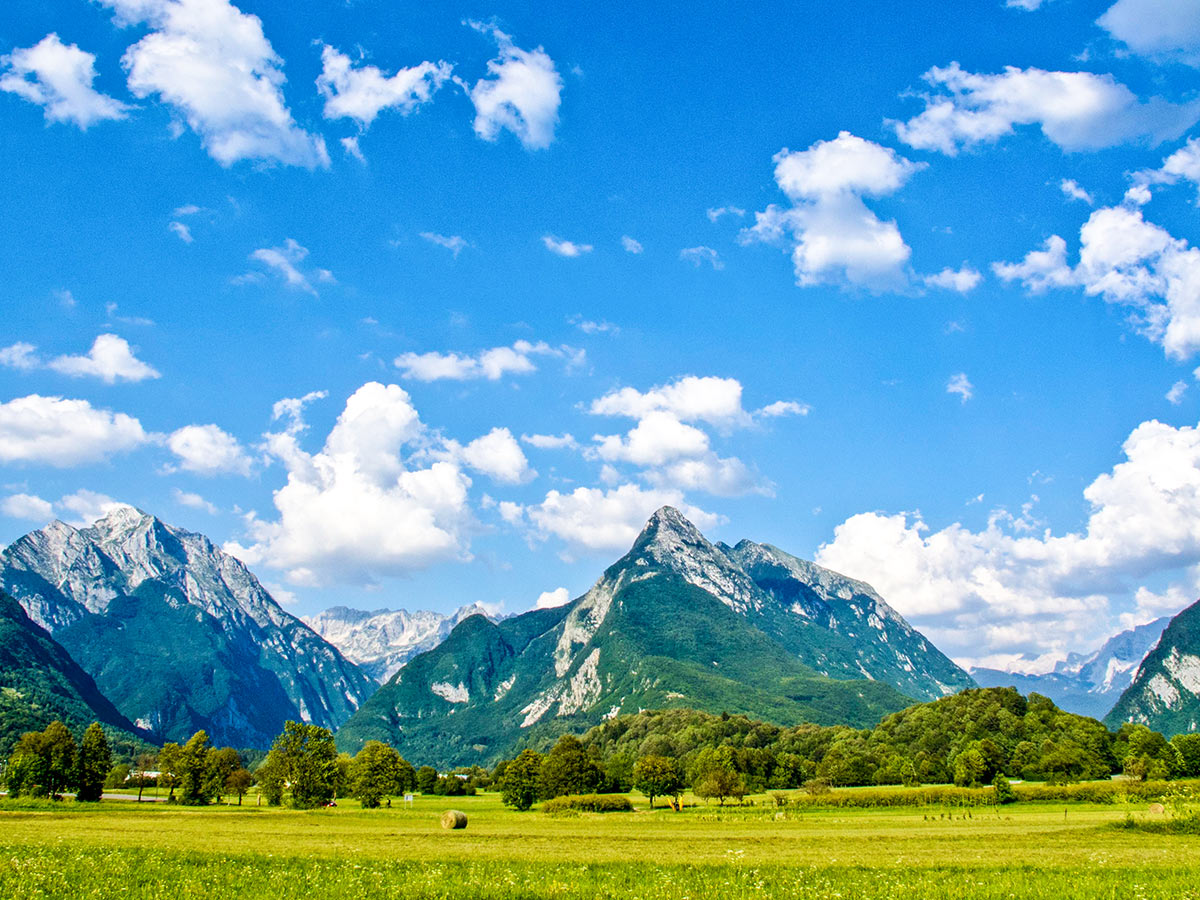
(676, 621)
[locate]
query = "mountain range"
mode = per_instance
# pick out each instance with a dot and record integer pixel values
(1086, 684)
(677, 621)
(381, 641)
(178, 634)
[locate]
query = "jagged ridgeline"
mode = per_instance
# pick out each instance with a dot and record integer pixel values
(41, 683)
(179, 635)
(676, 622)
(1165, 693)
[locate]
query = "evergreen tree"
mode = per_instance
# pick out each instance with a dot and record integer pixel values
(95, 759)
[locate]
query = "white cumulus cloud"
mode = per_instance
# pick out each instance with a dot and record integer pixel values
(833, 237)
(1075, 110)
(697, 256)
(492, 364)
(1159, 29)
(59, 432)
(208, 450)
(551, 599)
(497, 455)
(1015, 589)
(361, 507)
(1131, 262)
(361, 93)
(213, 65)
(58, 77)
(28, 507)
(521, 94)
(110, 359)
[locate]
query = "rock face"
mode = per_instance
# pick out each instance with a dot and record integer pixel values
(1086, 684)
(178, 634)
(380, 642)
(40, 682)
(1165, 693)
(677, 621)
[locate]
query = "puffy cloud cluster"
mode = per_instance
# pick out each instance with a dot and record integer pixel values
(1006, 593)
(1128, 261)
(492, 364)
(58, 77)
(362, 92)
(521, 94)
(1075, 110)
(213, 65)
(59, 432)
(364, 505)
(833, 237)
(110, 359)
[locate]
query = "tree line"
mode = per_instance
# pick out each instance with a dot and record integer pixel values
(979, 736)
(971, 738)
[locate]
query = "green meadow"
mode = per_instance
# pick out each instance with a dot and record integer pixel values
(1037, 850)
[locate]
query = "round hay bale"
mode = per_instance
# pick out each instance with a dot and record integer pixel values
(453, 818)
(1156, 809)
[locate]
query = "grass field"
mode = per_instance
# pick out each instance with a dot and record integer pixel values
(122, 849)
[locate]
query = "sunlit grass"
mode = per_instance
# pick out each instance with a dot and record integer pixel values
(1025, 850)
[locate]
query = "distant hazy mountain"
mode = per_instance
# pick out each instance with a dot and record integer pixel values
(380, 642)
(176, 633)
(1091, 684)
(1165, 693)
(40, 682)
(676, 622)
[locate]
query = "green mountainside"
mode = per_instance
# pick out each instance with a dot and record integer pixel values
(676, 622)
(1165, 693)
(40, 682)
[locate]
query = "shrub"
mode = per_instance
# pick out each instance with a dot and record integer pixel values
(597, 803)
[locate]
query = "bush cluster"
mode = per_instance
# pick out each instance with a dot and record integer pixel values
(596, 803)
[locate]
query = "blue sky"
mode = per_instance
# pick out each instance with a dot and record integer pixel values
(911, 293)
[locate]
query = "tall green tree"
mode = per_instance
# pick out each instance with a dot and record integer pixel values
(377, 772)
(657, 776)
(95, 760)
(568, 769)
(521, 780)
(306, 758)
(43, 763)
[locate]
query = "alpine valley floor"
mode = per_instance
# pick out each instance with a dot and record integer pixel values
(1028, 850)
